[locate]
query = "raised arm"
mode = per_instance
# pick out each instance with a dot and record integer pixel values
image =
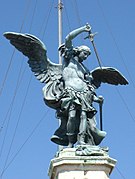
(74, 33)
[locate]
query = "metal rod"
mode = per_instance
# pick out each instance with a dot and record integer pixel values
(60, 7)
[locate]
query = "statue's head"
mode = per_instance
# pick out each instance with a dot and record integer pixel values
(83, 52)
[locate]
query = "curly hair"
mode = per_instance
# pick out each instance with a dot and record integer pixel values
(73, 51)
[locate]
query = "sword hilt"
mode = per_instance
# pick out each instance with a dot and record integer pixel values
(91, 36)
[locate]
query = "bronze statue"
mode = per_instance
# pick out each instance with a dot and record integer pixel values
(69, 87)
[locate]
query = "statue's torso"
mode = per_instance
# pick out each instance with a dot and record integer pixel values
(73, 75)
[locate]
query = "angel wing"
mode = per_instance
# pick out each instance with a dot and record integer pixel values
(44, 70)
(107, 75)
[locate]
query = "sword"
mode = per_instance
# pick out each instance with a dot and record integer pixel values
(91, 37)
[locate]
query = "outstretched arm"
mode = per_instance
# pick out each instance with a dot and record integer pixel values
(74, 33)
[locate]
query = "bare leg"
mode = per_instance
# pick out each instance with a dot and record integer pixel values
(71, 126)
(82, 128)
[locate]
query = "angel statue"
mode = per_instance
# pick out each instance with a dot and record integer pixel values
(69, 87)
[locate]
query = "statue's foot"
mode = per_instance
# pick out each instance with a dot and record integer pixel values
(101, 133)
(81, 139)
(82, 143)
(70, 145)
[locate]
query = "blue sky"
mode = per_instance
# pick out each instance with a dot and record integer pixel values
(26, 123)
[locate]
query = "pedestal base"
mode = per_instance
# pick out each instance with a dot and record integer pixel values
(70, 166)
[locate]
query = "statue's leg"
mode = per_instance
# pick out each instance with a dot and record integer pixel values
(71, 125)
(82, 128)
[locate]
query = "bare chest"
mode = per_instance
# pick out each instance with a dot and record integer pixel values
(73, 75)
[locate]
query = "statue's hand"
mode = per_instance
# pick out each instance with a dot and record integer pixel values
(101, 99)
(87, 27)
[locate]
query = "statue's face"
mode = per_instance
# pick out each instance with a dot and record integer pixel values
(83, 55)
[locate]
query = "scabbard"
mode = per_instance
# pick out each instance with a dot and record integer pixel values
(101, 120)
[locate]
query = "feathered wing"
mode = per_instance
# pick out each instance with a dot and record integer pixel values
(44, 70)
(107, 75)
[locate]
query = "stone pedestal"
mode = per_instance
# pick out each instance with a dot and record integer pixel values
(69, 166)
